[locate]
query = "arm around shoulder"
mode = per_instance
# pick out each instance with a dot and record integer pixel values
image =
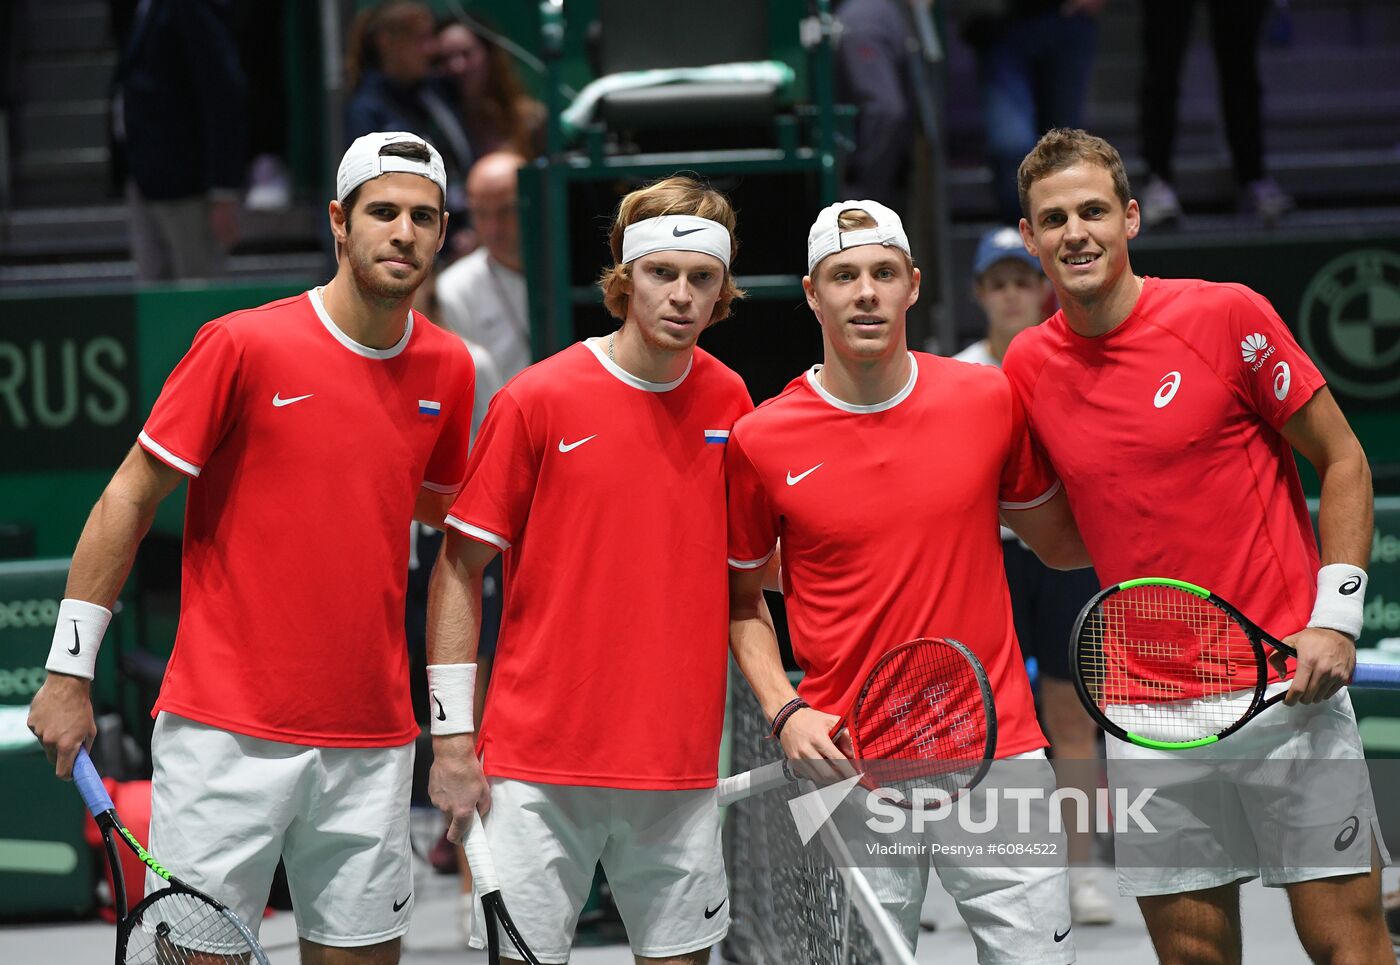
(1050, 531)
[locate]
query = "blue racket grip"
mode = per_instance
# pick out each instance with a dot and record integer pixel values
(1380, 676)
(90, 785)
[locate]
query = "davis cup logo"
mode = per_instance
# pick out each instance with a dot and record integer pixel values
(1255, 349)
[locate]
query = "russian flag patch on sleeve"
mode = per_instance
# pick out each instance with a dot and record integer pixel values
(429, 407)
(716, 437)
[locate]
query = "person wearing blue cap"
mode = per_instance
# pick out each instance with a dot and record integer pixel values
(1012, 291)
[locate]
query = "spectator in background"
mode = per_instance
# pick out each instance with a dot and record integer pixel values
(482, 296)
(1234, 36)
(389, 61)
(1012, 291)
(871, 75)
(181, 116)
(498, 114)
(1034, 61)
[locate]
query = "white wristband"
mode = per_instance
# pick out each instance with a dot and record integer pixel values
(451, 698)
(1341, 599)
(77, 635)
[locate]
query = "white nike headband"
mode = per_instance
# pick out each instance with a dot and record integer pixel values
(676, 232)
(827, 238)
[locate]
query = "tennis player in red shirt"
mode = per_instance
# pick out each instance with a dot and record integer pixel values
(312, 431)
(1171, 409)
(599, 473)
(882, 472)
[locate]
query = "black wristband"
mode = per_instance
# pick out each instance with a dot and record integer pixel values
(787, 710)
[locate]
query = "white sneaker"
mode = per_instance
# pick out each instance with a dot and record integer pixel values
(1159, 203)
(1088, 905)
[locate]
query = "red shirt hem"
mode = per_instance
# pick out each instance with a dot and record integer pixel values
(285, 737)
(495, 769)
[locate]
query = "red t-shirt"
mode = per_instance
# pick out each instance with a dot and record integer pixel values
(607, 495)
(888, 520)
(306, 453)
(1165, 432)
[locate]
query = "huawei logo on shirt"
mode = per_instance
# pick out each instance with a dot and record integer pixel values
(1255, 350)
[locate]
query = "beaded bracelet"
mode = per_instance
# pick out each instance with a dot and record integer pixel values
(781, 717)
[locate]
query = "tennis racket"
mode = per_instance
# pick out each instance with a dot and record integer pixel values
(1170, 665)
(177, 925)
(488, 887)
(923, 719)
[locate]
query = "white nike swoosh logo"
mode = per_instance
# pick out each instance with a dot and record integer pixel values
(278, 401)
(575, 445)
(794, 480)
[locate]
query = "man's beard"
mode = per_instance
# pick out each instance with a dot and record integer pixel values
(377, 286)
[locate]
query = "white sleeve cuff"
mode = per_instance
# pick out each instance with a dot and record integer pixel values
(1040, 500)
(752, 564)
(166, 456)
(477, 533)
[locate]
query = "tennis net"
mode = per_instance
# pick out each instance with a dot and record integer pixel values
(790, 902)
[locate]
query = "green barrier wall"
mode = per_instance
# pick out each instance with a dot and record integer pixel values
(45, 866)
(78, 375)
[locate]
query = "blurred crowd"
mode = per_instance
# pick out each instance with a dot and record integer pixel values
(201, 115)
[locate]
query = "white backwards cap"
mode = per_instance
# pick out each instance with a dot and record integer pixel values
(827, 238)
(363, 162)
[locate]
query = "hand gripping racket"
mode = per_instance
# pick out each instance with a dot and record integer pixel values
(1170, 665)
(177, 925)
(488, 887)
(923, 720)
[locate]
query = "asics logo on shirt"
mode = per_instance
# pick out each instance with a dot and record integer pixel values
(794, 480)
(1167, 390)
(278, 401)
(565, 447)
(78, 646)
(1283, 378)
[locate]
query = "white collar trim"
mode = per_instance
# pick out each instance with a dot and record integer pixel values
(622, 375)
(350, 343)
(889, 403)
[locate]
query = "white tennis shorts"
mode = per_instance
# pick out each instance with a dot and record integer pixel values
(1017, 909)
(225, 807)
(1286, 798)
(660, 849)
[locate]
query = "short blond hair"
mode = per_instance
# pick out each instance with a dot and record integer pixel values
(1065, 147)
(678, 194)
